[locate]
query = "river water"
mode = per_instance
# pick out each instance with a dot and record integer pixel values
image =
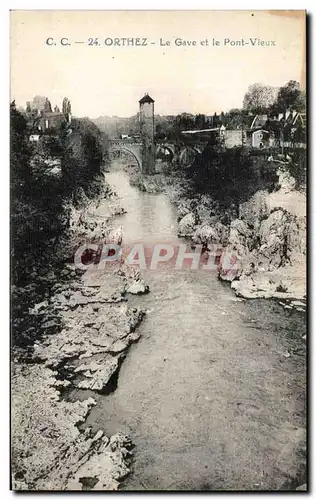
(209, 394)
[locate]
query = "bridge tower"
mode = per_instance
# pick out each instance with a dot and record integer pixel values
(146, 120)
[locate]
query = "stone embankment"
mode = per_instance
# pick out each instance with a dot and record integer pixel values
(49, 452)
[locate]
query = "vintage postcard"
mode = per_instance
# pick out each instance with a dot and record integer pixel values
(158, 250)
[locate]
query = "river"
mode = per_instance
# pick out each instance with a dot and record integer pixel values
(212, 394)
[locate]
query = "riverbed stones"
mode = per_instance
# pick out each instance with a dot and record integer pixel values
(97, 373)
(272, 258)
(105, 468)
(85, 335)
(282, 283)
(137, 287)
(45, 435)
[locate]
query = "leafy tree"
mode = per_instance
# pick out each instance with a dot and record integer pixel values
(200, 122)
(39, 217)
(66, 107)
(160, 132)
(291, 97)
(259, 98)
(48, 106)
(39, 102)
(229, 175)
(20, 154)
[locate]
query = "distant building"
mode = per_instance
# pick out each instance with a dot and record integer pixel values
(232, 138)
(260, 139)
(53, 120)
(259, 121)
(34, 137)
(43, 119)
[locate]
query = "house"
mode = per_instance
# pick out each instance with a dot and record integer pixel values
(42, 118)
(52, 120)
(263, 131)
(259, 121)
(232, 137)
(284, 127)
(34, 137)
(260, 139)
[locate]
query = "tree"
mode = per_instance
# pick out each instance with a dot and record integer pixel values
(234, 112)
(291, 97)
(39, 102)
(20, 154)
(39, 214)
(159, 133)
(66, 106)
(200, 122)
(259, 98)
(48, 106)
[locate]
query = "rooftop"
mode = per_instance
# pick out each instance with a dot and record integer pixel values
(146, 99)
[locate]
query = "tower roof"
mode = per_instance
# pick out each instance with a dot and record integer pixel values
(146, 98)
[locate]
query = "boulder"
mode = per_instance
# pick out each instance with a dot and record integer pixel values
(205, 235)
(239, 238)
(255, 209)
(302, 487)
(187, 225)
(97, 373)
(283, 239)
(184, 207)
(137, 287)
(206, 208)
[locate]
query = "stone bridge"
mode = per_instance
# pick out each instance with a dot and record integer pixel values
(133, 148)
(182, 155)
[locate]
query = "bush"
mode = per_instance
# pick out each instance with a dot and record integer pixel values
(297, 168)
(231, 175)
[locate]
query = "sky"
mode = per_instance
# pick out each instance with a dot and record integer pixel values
(109, 80)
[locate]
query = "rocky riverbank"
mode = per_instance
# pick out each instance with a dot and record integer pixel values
(49, 451)
(266, 235)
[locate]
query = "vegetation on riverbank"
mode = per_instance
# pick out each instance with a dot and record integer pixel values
(41, 199)
(254, 208)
